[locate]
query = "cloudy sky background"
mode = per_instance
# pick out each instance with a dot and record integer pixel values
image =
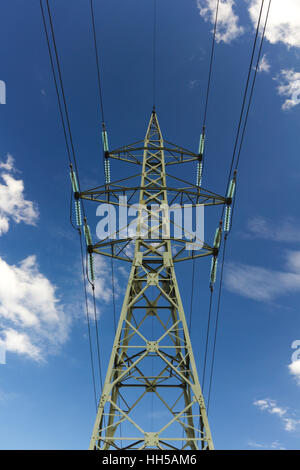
(47, 377)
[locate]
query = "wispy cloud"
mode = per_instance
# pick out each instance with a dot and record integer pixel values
(9, 164)
(264, 284)
(228, 22)
(264, 65)
(289, 86)
(6, 396)
(286, 229)
(13, 205)
(289, 421)
(193, 84)
(274, 445)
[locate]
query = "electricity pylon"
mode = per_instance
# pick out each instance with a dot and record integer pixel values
(151, 397)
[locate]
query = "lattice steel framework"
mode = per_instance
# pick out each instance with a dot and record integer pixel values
(152, 397)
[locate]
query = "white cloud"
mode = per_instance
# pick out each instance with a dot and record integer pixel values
(283, 22)
(4, 225)
(13, 205)
(264, 284)
(20, 343)
(294, 369)
(228, 28)
(286, 229)
(289, 86)
(290, 423)
(32, 318)
(264, 65)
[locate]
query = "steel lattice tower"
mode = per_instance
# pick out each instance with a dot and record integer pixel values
(151, 396)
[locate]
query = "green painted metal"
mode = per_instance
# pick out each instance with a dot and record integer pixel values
(227, 218)
(201, 144)
(152, 396)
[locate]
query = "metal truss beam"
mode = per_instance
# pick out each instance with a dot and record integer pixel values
(151, 397)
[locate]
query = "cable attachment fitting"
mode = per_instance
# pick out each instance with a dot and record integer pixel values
(106, 155)
(78, 212)
(213, 270)
(88, 239)
(200, 158)
(201, 143)
(230, 195)
(75, 188)
(199, 171)
(216, 248)
(218, 236)
(87, 233)
(91, 267)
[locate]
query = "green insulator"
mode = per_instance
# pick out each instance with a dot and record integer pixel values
(199, 173)
(105, 141)
(231, 189)
(107, 170)
(74, 181)
(91, 267)
(87, 234)
(217, 239)
(227, 218)
(78, 212)
(201, 144)
(213, 270)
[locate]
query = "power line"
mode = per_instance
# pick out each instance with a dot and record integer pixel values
(113, 288)
(192, 295)
(103, 124)
(55, 82)
(65, 129)
(253, 83)
(97, 336)
(97, 62)
(249, 104)
(238, 158)
(211, 64)
(104, 129)
(154, 50)
(245, 96)
(62, 91)
(95, 319)
(88, 319)
(203, 128)
(78, 229)
(216, 324)
(207, 335)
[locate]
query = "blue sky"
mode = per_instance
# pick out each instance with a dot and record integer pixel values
(46, 398)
